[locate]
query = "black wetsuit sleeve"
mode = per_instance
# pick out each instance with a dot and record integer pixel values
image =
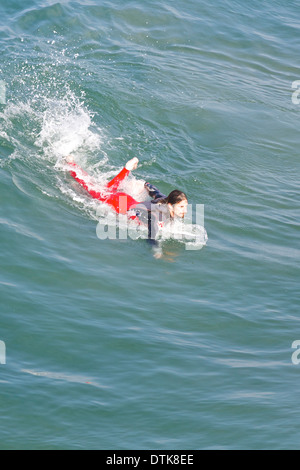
(154, 192)
(149, 215)
(153, 229)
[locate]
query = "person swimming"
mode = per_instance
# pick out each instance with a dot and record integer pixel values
(154, 213)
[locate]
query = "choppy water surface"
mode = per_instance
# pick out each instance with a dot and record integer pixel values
(106, 347)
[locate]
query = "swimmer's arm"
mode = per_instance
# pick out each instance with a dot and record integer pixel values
(156, 248)
(152, 235)
(148, 217)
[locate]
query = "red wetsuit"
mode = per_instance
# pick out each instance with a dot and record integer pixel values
(121, 202)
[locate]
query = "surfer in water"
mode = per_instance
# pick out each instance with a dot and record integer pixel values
(154, 213)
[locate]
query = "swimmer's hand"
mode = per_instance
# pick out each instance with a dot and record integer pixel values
(157, 251)
(132, 164)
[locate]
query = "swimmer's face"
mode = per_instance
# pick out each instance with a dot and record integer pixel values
(179, 209)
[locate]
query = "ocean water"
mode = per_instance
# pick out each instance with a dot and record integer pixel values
(105, 346)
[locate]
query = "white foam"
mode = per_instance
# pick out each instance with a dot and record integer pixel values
(194, 236)
(66, 128)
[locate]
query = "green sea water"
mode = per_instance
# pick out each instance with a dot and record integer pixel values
(107, 347)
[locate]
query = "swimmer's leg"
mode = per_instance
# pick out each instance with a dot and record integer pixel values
(131, 165)
(82, 178)
(121, 202)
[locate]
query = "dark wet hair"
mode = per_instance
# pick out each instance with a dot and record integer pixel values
(174, 197)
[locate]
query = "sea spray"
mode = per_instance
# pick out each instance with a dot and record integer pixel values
(66, 128)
